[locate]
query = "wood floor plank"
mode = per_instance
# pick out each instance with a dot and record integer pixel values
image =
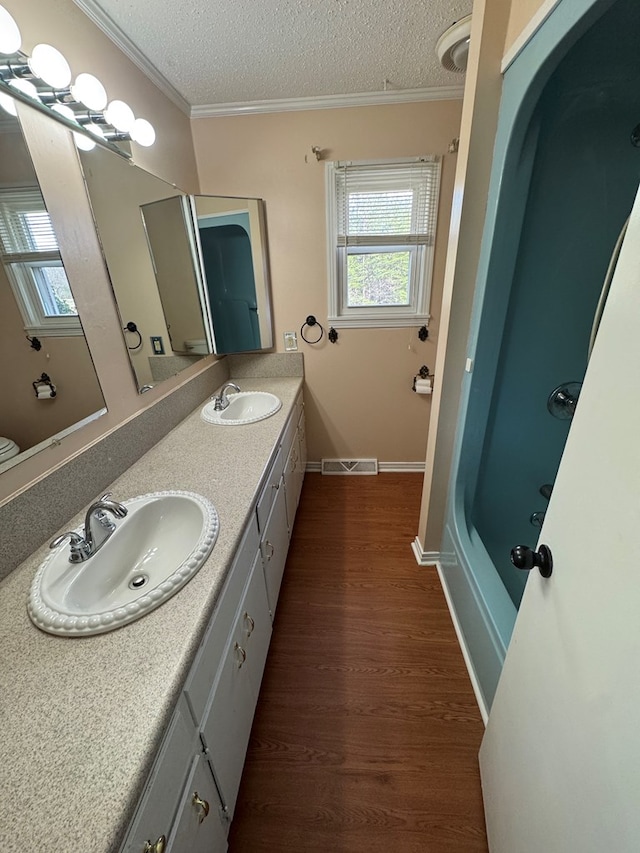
(367, 731)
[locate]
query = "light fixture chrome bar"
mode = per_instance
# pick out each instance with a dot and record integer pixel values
(70, 125)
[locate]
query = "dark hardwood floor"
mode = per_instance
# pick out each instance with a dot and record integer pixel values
(367, 731)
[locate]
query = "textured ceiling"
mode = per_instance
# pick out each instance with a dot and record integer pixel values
(225, 51)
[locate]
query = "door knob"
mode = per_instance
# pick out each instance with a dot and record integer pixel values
(523, 557)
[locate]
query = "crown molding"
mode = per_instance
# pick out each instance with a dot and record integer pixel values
(121, 40)
(329, 102)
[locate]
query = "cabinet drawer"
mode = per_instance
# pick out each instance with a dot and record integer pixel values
(159, 804)
(209, 656)
(199, 826)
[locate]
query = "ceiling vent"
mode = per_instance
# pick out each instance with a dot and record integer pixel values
(453, 46)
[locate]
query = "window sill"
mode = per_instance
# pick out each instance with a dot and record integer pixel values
(379, 322)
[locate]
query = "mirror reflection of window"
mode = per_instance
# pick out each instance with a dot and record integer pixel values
(31, 256)
(37, 301)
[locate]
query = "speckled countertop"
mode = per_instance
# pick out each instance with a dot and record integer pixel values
(81, 718)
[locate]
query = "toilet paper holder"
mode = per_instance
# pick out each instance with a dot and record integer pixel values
(423, 373)
(41, 385)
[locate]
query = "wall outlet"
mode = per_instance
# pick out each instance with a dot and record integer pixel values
(156, 345)
(290, 341)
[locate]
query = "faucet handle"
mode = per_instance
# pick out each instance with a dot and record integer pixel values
(79, 546)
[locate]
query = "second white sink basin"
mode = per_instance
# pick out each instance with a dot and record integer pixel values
(154, 551)
(245, 407)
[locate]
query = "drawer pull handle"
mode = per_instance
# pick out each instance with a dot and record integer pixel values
(157, 847)
(249, 620)
(241, 654)
(203, 805)
(273, 550)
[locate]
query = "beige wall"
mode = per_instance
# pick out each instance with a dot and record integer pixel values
(358, 392)
(62, 24)
(520, 17)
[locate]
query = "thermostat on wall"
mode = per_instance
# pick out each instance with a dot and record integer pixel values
(290, 341)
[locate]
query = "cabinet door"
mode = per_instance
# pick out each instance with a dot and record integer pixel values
(199, 827)
(227, 723)
(227, 726)
(155, 813)
(301, 444)
(291, 480)
(274, 546)
(255, 627)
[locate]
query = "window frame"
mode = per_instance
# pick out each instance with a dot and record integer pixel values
(416, 312)
(21, 270)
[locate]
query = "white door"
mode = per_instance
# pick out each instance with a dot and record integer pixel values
(560, 760)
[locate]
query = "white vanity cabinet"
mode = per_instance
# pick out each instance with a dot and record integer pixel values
(191, 793)
(165, 804)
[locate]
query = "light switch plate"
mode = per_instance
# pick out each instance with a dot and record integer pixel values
(290, 341)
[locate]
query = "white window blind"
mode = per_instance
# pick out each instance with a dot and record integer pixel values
(394, 204)
(26, 232)
(31, 256)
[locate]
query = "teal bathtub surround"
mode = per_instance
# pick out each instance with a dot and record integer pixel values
(563, 180)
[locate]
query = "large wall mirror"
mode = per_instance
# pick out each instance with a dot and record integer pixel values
(230, 234)
(189, 273)
(158, 298)
(49, 384)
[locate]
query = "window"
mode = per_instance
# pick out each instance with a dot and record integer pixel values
(381, 232)
(31, 257)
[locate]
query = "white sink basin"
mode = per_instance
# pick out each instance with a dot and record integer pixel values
(154, 551)
(245, 407)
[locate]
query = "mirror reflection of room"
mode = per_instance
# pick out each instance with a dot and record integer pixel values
(40, 331)
(166, 341)
(230, 235)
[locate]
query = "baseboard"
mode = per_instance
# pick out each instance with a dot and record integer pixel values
(424, 558)
(401, 467)
(383, 467)
(484, 711)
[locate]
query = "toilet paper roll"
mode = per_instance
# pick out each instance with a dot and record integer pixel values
(45, 392)
(423, 386)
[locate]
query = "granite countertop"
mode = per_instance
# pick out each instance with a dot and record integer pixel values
(81, 719)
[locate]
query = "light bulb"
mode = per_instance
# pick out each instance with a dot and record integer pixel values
(10, 38)
(95, 129)
(26, 87)
(88, 90)
(143, 133)
(49, 65)
(120, 115)
(84, 143)
(8, 104)
(64, 110)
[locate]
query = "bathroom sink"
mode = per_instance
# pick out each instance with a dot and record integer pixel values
(155, 550)
(246, 407)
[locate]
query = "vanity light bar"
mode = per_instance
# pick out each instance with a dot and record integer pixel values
(47, 65)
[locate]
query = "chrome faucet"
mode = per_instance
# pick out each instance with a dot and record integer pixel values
(221, 402)
(98, 527)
